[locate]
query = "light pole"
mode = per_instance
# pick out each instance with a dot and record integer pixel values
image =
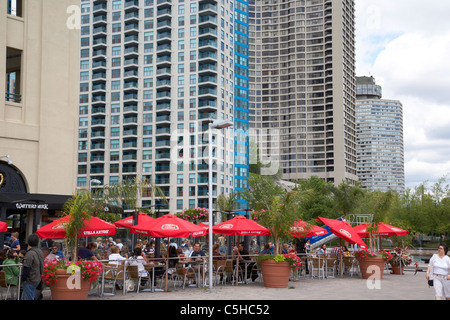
(221, 124)
(93, 181)
(7, 157)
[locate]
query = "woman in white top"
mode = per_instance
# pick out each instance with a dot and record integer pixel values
(439, 272)
(115, 256)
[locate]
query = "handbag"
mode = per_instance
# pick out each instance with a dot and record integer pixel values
(430, 283)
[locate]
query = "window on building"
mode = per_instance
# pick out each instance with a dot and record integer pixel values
(13, 75)
(15, 8)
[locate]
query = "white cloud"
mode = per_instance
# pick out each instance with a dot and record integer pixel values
(405, 45)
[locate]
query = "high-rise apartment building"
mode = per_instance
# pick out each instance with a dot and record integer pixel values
(302, 86)
(153, 74)
(380, 152)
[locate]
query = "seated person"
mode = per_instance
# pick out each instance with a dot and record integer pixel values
(266, 249)
(86, 253)
(115, 257)
(12, 272)
(197, 255)
(242, 254)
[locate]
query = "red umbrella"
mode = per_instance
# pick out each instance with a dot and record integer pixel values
(203, 225)
(384, 230)
(343, 230)
(93, 227)
(240, 226)
(168, 225)
(3, 226)
(128, 221)
(304, 229)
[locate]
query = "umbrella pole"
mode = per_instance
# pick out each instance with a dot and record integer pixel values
(237, 267)
(167, 263)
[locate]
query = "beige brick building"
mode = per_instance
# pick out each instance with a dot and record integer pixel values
(39, 65)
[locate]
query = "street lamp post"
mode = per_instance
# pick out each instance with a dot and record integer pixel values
(220, 124)
(93, 181)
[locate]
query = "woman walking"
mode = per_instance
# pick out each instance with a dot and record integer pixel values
(439, 272)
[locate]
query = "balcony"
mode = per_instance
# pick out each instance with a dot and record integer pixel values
(207, 45)
(165, 25)
(127, 75)
(164, 4)
(163, 61)
(98, 111)
(98, 100)
(207, 105)
(164, 48)
(207, 9)
(99, 88)
(130, 87)
(131, 52)
(132, 16)
(131, 6)
(163, 96)
(165, 13)
(132, 108)
(164, 37)
(207, 21)
(207, 81)
(100, 20)
(207, 93)
(131, 39)
(131, 29)
(98, 44)
(98, 122)
(207, 57)
(100, 9)
(99, 65)
(207, 33)
(99, 32)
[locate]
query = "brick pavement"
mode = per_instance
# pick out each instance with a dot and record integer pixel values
(393, 287)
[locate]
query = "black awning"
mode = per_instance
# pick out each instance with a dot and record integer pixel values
(25, 201)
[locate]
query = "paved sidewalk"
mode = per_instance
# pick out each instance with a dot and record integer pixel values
(392, 287)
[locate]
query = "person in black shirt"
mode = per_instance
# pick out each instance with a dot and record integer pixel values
(244, 255)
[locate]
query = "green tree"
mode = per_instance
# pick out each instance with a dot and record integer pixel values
(346, 198)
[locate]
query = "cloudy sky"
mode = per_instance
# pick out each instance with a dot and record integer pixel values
(405, 46)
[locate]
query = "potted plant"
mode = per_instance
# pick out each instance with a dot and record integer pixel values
(371, 263)
(400, 258)
(278, 219)
(71, 280)
(273, 267)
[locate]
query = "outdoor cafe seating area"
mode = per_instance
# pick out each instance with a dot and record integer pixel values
(124, 278)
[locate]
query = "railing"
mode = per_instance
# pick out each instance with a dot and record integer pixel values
(13, 97)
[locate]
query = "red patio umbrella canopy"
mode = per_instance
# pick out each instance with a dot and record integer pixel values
(93, 227)
(343, 230)
(3, 226)
(128, 221)
(169, 225)
(384, 230)
(240, 226)
(304, 229)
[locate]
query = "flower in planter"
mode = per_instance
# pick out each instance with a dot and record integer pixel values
(194, 214)
(294, 261)
(364, 254)
(89, 270)
(400, 255)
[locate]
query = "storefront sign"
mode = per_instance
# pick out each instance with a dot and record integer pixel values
(25, 206)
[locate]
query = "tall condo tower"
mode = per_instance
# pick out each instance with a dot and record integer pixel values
(154, 74)
(302, 86)
(380, 151)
